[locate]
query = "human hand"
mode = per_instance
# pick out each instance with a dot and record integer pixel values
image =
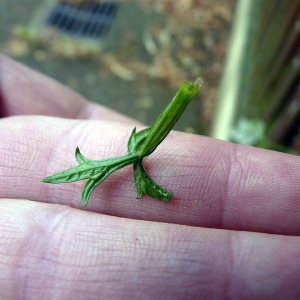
(231, 229)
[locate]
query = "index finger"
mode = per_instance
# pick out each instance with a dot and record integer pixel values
(214, 183)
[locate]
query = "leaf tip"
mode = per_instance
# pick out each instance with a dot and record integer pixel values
(79, 157)
(46, 179)
(139, 195)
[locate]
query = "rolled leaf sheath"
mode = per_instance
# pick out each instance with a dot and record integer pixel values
(167, 119)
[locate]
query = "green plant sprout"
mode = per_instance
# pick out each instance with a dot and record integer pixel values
(140, 145)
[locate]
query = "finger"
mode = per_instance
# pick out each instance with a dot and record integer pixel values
(214, 183)
(49, 250)
(24, 91)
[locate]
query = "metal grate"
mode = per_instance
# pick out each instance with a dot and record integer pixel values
(90, 20)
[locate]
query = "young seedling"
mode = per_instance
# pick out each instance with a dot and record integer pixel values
(140, 144)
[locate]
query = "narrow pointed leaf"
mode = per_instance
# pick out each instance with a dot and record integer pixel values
(79, 157)
(140, 144)
(73, 174)
(89, 187)
(137, 139)
(145, 185)
(93, 168)
(131, 141)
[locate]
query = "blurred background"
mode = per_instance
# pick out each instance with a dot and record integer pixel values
(133, 56)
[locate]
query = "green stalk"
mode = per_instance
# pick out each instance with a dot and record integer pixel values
(170, 115)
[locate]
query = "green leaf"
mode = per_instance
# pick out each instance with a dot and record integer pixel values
(90, 186)
(92, 168)
(77, 173)
(132, 141)
(140, 144)
(79, 157)
(137, 139)
(145, 185)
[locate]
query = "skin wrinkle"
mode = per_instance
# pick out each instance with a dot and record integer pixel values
(210, 197)
(291, 181)
(202, 201)
(239, 262)
(15, 183)
(253, 276)
(45, 231)
(287, 173)
(245, 177)
(242, 263)
(286, 209)
(181, 264)
(211, 182)
(290, 195)
(10, 157)
(181, 258)
(190, 183)
(229, 260)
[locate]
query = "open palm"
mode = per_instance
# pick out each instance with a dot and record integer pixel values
(231, 229)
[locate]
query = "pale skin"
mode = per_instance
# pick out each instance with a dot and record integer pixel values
(230, 230)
